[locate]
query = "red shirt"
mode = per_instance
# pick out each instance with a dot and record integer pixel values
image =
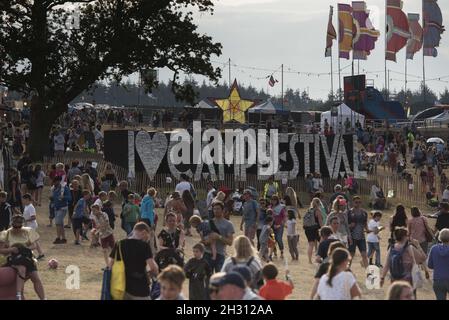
(275, 290)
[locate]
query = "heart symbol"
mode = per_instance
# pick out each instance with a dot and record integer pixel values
(151, 151)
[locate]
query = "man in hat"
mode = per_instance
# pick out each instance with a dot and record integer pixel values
(24, 239)
(245, 272)
(232, 287)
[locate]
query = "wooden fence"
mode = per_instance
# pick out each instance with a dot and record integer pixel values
(390, 183)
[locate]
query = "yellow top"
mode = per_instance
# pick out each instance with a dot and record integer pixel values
(27, 236)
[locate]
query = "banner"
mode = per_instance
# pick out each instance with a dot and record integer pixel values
(397, 29)
(365, 35)
(345, 30)
(433, 27)
(331, 34)
(414, 44)
(210, 154)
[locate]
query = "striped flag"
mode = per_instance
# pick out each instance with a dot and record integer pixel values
(272, 81)
(433, 27)
(331, 34)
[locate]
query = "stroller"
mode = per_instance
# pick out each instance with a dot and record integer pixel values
(238, 204)
(163, 259)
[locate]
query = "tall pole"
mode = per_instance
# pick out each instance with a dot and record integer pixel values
(229, 65)
(423, 56)
(332, 77)
(405, 83)
(386, 46)
(282, 86)
(338, 56)
(358, 66)
(139, 84)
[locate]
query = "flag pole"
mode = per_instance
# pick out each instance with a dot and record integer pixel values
(332, 76)
(229, 69)
(386, 47)
(423, 56)
(282, 85)
(338, 55)
(405, 83)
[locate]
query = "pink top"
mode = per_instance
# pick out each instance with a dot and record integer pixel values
(417, 228)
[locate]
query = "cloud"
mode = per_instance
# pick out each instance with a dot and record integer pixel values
(237, 3)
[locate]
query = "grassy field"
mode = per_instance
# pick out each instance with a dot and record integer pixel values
(90, 261)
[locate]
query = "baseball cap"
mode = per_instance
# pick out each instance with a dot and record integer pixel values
(233, 278)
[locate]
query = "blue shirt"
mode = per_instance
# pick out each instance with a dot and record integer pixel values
(61, 202)
(439, 261)
(80, 209)
(147, 208)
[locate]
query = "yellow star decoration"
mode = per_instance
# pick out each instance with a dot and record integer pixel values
(234, 107)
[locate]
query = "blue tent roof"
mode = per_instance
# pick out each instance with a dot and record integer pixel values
(268, 107)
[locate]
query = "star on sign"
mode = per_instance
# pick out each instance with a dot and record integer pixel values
(234, 107)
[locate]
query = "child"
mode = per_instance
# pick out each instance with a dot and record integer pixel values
(171, 280)
(271, 240)
(204, 228)
(274, 289)
(40, 176)
(197, 271)
(373, 237)
(109, 210)
(131, 214)
(264, 239)
(292, 235)
(81, 215)
(60, 172)
(29, 213)
(103, 230)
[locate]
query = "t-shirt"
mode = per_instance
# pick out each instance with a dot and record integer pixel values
(59, 141)
(323, 247)
(102, 225)
(359, 217)
(135, 254)
(210, 197)
(182, 186)
(341, 286)
(28, 212)
(442, 221)
(27, 236)
(446, 194)
(291, 227)
(264, 234)
(226, 229)
(373, 225)
(275, 290)
(250, 212)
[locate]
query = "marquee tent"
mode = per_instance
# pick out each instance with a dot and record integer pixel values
(268, 107)
(340, 115)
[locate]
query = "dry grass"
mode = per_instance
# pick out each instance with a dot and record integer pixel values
(90, 261)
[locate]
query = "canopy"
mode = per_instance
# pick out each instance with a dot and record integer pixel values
(435, 140)
(343, 113)
(268, 107)
(205, 104)
(441, 118)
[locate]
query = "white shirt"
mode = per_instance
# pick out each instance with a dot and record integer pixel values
(100, 203)
(28, 212)
(341, 286)
(317, 183)
(210, 197)
(291, 227)
(59, 142)
(182, 186)
(372, 225)
(446, 194)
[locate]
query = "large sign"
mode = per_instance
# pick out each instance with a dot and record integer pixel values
(210, 154)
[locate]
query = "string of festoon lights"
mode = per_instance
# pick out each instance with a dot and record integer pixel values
(246, 70)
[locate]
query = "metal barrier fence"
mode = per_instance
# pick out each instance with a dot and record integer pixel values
(396, 188)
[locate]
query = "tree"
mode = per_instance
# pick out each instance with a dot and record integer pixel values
(52, 61)
(444, 96)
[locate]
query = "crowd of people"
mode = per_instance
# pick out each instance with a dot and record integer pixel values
(86, 201)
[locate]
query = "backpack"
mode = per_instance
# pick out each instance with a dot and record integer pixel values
(396, 264)
(309, 219)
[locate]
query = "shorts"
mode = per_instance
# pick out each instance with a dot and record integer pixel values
(108, 242)
(60, 215)
(250, 231)
(77, 223)
(312, 234)
(361, 244)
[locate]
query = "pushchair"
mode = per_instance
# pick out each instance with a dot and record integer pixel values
(166, 257)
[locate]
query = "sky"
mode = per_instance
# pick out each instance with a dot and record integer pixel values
(267, 33)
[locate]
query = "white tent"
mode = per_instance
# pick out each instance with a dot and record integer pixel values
(267, 107)
(343, 113)
(205, 104)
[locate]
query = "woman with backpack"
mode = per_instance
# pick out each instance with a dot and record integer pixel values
(245, 255)
(312, 222)
(401, 257)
